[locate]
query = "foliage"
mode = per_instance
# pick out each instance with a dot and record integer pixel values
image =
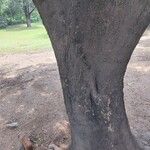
(19, 39)
(3, 22)
(12, 12)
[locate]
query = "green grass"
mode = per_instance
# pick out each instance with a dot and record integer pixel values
(19, 39)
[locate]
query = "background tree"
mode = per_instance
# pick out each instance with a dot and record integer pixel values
(16, 12)
(13, 11)
(28, 8)
(93, 42)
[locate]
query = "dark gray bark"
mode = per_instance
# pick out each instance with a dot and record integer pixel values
(93, 41)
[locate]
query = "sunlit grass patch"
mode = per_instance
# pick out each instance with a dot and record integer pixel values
(20, 39)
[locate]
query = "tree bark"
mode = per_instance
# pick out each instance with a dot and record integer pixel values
(28, 20)
(93, 41)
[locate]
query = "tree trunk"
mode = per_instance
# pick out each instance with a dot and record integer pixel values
(93, 41)
(28, 20)
(27, 12)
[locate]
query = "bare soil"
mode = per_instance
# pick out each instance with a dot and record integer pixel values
(31, 95)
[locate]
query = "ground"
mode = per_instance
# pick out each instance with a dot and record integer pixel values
(31, 95)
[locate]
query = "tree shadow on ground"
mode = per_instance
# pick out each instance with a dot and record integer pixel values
(33, 98)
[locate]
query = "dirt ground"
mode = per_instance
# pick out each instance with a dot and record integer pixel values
(31, 95)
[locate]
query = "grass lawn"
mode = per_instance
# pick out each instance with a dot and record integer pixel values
(19, 39)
